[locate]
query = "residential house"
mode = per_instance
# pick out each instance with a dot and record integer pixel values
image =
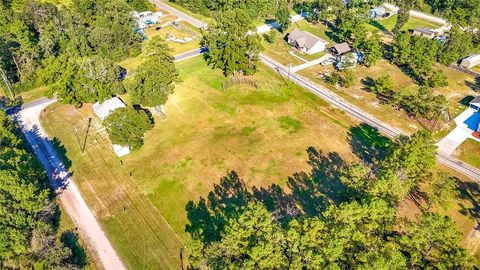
(306, 42)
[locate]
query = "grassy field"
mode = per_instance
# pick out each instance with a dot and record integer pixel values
(469, 151)
(261, 133)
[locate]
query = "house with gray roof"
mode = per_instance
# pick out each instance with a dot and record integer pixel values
(306, 42)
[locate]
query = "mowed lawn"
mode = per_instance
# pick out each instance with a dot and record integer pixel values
(140, 199)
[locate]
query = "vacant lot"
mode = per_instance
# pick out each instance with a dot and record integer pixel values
(261, 133)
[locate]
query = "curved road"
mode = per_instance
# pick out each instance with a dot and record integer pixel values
(67, 191)
(333, 99)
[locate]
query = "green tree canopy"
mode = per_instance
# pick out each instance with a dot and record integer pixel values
(127, 126)
(232, 48)
(154, 80)
(86, 81)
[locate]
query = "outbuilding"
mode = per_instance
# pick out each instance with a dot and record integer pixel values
(424, 32)
(306, 42)
(471, 61)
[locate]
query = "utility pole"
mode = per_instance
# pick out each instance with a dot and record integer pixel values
(86, 134)
(7, 83)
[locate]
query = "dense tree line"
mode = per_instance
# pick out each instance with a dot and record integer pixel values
(257, 9)
(358, 229)
(28, 235)
(33, 34)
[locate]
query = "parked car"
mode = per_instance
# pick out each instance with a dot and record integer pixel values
(158, 28)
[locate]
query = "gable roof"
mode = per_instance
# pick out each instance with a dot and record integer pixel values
(425, 31)
(305, 39)
(342, 48)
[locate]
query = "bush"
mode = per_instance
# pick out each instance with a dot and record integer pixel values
(271, 36)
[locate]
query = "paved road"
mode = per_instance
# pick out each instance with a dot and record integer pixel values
(189, 54)
(67, 191)
(180, 14)
(338, 102)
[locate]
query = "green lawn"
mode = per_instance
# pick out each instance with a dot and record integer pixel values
(261, 133)
(469, 151)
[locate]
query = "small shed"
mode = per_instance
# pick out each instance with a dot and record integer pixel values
(306, 42)
(471, 61)
(377, 12)
(104, 109)
(424, 32)
(342, 48)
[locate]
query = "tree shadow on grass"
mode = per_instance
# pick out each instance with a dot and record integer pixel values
(79, 256)
(368, 144)
(309, 194)
(470, 191)
(379, 26)
(61, 152)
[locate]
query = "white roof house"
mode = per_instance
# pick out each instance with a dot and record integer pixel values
(146, 18)
(471, 61)
(306, 42)
(103, 110)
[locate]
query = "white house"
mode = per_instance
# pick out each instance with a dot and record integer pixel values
(146, 18)
(306, 42)
(103, 110)
(471, 61)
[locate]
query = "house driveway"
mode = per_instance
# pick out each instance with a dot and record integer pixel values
(467, 122)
